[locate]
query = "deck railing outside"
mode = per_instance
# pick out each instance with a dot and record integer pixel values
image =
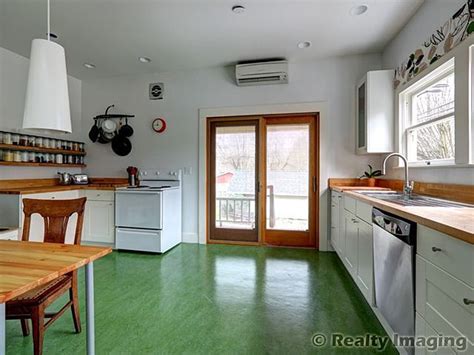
(239, 210)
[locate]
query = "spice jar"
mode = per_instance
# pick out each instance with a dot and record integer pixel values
(17, 156)
(15, 139)
(23, 140)
(31, 157)
(24, 157)
(31, 141)
(7, 138)
(8, 155)
(39, 142)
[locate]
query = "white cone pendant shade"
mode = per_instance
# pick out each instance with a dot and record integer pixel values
(47, 96)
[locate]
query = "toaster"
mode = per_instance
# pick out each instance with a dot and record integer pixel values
(80, 179)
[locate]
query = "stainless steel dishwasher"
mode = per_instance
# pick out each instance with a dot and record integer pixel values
(394, 271)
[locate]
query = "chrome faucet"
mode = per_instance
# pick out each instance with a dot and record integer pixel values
(408, 187)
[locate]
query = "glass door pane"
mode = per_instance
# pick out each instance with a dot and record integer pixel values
(235, 177)
(287, 177)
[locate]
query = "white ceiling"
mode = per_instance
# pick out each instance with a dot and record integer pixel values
(188, 34)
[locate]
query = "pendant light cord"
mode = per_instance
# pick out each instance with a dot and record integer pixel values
(49, 25)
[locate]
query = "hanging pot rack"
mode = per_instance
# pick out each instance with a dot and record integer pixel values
(108, 115)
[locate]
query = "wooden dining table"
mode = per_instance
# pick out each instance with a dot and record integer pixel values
(27, 265)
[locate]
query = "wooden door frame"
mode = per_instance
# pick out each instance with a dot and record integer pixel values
(261, 136)
(209, 147)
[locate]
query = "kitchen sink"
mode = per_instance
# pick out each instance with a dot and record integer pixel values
(414, 200)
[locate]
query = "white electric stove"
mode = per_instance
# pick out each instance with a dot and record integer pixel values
(148, 217)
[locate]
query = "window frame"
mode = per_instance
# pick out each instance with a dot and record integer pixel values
(407, 112)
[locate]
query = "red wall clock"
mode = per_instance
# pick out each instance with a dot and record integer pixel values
(159, 125)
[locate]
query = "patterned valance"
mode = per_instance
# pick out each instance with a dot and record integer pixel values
(445, 38)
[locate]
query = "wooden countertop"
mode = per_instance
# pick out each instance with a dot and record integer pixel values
(35, 186)
(58, 188)
(453, 221)
(26, 265)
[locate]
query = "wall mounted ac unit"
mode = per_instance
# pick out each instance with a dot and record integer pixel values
(263, 73)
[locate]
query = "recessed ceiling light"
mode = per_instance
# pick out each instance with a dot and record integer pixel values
(89, 65)
(238, 9)
(359, 10)
(144, 59)
(305, 44)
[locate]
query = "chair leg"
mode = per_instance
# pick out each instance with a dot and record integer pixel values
(37, 323)
(24, 327)
(75, 305)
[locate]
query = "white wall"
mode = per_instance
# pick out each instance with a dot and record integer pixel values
(330, 80)
(429, 17)
(13, 79)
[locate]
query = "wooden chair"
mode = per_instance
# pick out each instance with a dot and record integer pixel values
(32, 305)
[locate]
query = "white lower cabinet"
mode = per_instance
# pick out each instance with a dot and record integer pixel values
(337, 223)
(99, 220)
(365, 261)
(424, 331)
(350, 257)
(444, 267)
(357, 255)
(444, 291)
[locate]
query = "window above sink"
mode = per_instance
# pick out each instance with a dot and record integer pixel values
(427, 118)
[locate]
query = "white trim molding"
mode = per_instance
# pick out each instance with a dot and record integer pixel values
(286, 108)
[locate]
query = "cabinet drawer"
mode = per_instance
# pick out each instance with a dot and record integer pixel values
(139, 240)
(364, 211)
(350, 204)
(99, 195)
(455, 256)
(423, 329)
(440, 300)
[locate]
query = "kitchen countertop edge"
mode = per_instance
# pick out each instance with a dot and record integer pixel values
(59, 188)
(450, 228)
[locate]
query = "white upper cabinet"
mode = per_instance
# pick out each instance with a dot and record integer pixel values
(375, 113)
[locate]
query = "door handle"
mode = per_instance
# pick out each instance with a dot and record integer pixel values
(467, 301)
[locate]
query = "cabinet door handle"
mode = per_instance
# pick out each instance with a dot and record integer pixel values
(435, 249)
(467, 301)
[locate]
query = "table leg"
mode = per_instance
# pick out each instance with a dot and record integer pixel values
(90, 308)
(3, 326)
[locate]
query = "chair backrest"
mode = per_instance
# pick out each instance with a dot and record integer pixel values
(56, 214)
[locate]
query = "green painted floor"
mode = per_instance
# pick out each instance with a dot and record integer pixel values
(214, 300)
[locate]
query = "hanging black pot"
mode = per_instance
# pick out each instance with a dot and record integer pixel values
(94, 132)
(126, 130)
(121, 145)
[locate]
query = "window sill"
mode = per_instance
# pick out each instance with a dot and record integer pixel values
(441, 165)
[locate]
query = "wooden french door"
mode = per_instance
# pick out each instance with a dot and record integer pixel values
(233, 206)
(262, 180)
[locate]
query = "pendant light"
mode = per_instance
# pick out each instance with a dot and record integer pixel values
(47, 97)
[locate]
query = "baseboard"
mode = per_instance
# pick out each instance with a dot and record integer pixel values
(190, 238)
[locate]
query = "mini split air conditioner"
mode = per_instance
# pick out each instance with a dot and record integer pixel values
(263, 73)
